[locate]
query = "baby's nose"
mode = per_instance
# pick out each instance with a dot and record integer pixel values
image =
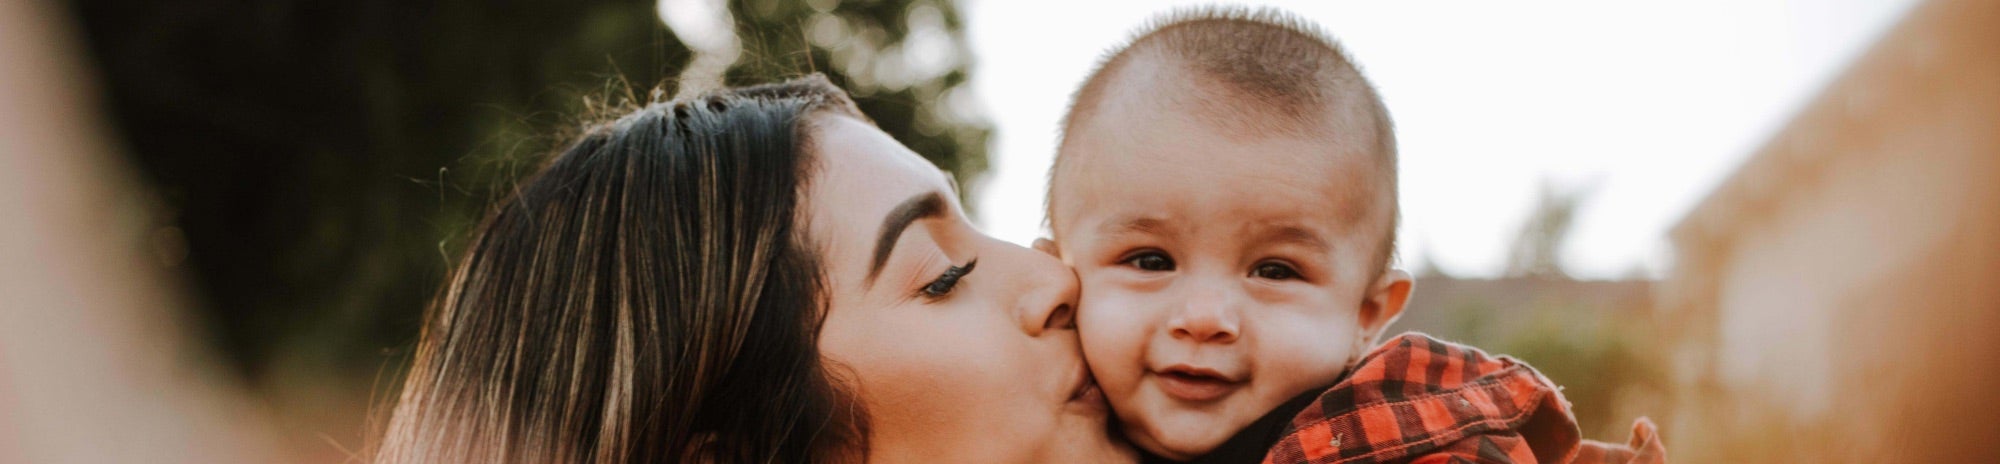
(1208, 317)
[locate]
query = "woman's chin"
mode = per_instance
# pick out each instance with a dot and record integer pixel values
(1091, 436)
(1088, 401)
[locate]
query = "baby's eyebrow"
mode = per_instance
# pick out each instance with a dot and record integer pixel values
(1293, 235)
(1139, 225)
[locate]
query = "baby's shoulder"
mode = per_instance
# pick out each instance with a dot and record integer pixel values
(1416, 356)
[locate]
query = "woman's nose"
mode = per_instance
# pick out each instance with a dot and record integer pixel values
(1048, 291)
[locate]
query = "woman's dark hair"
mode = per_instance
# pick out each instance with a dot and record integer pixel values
(649, 296)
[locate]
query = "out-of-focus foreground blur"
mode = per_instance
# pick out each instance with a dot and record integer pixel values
(95, 362)
(220, 222)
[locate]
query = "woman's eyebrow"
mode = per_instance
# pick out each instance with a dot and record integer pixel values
(922, 206)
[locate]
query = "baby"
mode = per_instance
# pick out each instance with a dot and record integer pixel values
(1225, 188)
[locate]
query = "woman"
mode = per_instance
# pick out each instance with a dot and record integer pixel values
(758, 275)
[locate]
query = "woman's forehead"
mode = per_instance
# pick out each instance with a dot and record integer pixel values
(862, 176)
(855, 150)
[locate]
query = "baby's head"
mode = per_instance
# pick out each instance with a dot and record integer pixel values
(1226, 190)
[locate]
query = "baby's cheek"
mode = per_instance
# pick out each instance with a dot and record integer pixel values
(1303, 354)
(1113, 334)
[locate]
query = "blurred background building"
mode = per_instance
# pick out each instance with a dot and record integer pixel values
(1837, 298)
(222, 220)
(1595, 337)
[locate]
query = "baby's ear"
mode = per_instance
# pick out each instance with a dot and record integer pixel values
(1047, 246)
(1385, 302)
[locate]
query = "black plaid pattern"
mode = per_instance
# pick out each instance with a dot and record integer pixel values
(1416, 399)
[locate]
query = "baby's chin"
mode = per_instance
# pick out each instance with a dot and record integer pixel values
(1182, 434)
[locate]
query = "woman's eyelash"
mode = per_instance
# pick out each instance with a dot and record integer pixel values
(946, 282)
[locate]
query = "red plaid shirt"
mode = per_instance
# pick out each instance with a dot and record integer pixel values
(1416, 399)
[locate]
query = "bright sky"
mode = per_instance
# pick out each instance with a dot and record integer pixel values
(1652, 103)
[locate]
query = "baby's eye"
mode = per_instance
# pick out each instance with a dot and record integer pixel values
(1274, 271)
(1150, 261)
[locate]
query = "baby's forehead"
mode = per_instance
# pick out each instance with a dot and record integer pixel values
(1235, 185)
(1154, 95)
(1176, 130)
(1183, 150)
(1239, 191)
(1158, 84)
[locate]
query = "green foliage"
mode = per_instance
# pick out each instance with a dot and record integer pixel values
(1595, 361)
(1537, 248)
(905, 62)
(326, 159)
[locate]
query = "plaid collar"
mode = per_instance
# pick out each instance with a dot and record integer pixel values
(1420, 399)
(1250, 444)
(1416, 398)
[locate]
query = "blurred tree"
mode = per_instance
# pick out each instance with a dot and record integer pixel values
(1581, 334)
(1596, 357)
(324, 160)
(1537, 248)
(905, 61)
(321, 157)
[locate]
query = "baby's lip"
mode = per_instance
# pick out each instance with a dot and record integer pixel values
(1194, 383)
(1199, 371)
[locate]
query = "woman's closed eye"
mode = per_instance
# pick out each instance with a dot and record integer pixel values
(944, 284)
(1151, 261)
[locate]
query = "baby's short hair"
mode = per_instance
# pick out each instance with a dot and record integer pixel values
(1273, 66)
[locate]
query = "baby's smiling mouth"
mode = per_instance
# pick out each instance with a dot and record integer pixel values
(1195, 384)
